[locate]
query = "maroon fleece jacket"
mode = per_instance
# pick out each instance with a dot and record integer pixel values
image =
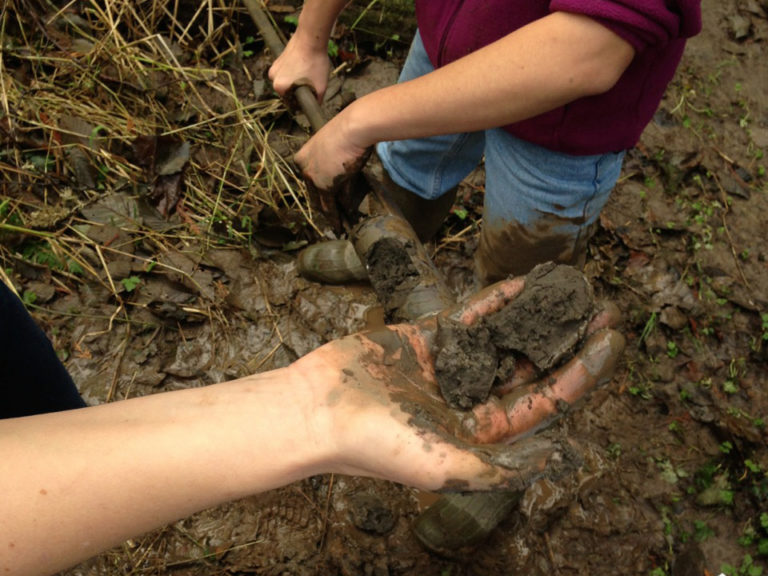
(608, 122)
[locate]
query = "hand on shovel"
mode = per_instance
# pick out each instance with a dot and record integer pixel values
(330, 163)
(331, 159)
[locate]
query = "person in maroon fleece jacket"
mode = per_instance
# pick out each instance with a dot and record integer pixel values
(550, 93)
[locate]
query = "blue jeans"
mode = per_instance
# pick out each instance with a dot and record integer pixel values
(539, 205)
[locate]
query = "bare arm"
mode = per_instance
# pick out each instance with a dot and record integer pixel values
(87, 479)
(546, 64)
(306, 54)
(75, 483)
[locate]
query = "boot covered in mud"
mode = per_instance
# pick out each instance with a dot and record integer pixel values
(456, 523)
(337, 262)
(331, 262)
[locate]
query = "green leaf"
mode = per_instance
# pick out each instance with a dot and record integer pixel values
(460, 213)
(130, 283)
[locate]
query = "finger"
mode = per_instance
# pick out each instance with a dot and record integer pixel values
(525, 372)
(488, 300)
(607, 316)
(509, 467)
(535, 406)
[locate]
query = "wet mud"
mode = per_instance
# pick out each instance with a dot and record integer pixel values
(400, 271)
(543, 323)
(664, 487)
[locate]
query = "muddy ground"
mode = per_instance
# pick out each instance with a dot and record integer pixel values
(675, 480)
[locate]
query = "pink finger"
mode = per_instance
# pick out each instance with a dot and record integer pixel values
(490, 300)
(525, 373)
(607, 316)
(534, 407)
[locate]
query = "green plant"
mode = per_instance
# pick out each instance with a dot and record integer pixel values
(130, 283)
(756, 535)
(702, 531)
(649, 327)
(28, 297)
(747, 568)
(641, 390)
(735, 370)
(672, 349)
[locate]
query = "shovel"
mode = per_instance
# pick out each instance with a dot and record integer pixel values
(416, 288)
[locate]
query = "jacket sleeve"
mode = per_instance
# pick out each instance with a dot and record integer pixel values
(643, 23)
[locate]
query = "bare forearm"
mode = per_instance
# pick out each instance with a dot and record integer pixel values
(88, 479)
(540, 67)
(316, 22)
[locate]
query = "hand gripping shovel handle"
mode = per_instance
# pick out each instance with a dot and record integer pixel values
(305, 97)
(430, 293)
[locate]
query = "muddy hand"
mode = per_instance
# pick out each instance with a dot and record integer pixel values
(526, 403)
(383, 419)
(327, 161)
(390, 420)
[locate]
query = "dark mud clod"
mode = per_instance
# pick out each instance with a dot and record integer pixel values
(545, 322)
(391, 271)
(466, 363)
(371, 514)
(550, 316)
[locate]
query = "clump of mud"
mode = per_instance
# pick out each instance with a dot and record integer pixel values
(391, 270)
(544, 323)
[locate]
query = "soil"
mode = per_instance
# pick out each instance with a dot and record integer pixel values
(549, 317)
(674, 480)
(544, 323)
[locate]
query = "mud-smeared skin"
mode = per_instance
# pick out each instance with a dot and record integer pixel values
(545, 323)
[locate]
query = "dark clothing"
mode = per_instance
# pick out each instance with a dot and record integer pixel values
(601, 124)
(32, 378)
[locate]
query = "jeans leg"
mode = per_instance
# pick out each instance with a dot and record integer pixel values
(32, 378)
(429, 167)
(539, 205)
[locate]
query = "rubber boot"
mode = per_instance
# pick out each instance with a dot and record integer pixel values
(457, 522)
(331, 262)
(336, 262)
(425, 216)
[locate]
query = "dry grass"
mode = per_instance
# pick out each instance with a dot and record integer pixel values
(80, 81)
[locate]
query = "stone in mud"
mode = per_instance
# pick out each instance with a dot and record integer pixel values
(369, 513)
(548, 318)
(465, 364)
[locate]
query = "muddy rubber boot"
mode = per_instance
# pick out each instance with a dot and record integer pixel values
(425, 216)
(331, 262)
(457, 522)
